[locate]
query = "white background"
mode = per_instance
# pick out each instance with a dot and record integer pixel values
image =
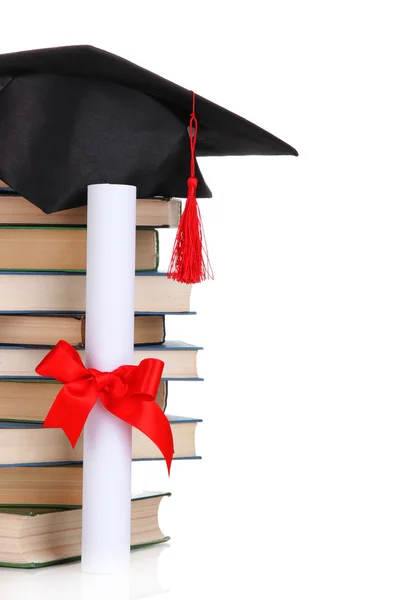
(298, 494)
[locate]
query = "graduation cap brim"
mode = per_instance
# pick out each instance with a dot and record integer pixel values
(75, 115)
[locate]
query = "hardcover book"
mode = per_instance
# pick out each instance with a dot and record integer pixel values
(27, 444)
(42, 536)
(63, 249)
(30, 401)
(47, 330)
(180, 360)
(41, 486)
(49, 292)
(150, 212)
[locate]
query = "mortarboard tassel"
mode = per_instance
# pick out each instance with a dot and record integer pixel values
(190, 262)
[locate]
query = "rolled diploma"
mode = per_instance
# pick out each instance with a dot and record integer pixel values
(107, 441)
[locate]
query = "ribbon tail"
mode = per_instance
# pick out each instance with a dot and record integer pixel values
(149, 418)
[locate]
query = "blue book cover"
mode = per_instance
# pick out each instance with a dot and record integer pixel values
(7, 191)
(173, 419)
(75, 273)
(180, 360)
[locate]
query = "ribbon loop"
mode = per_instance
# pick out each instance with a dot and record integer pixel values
(63, 363)
(129, 393)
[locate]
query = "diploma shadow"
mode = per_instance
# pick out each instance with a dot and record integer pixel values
(63, 582)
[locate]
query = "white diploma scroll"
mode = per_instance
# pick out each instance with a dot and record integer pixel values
(107, 441)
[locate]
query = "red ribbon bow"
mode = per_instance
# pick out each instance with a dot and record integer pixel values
(128, 393)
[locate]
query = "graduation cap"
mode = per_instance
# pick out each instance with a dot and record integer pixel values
(72, 116)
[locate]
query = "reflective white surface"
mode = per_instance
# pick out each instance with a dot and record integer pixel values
(67, 582)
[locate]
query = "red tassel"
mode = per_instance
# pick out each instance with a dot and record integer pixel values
(189, 262)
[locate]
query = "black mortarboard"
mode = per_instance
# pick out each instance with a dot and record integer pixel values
(76, 115)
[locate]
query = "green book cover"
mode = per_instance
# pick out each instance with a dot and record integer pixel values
(31, 512)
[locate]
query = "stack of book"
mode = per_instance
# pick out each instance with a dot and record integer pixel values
(42, 300)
